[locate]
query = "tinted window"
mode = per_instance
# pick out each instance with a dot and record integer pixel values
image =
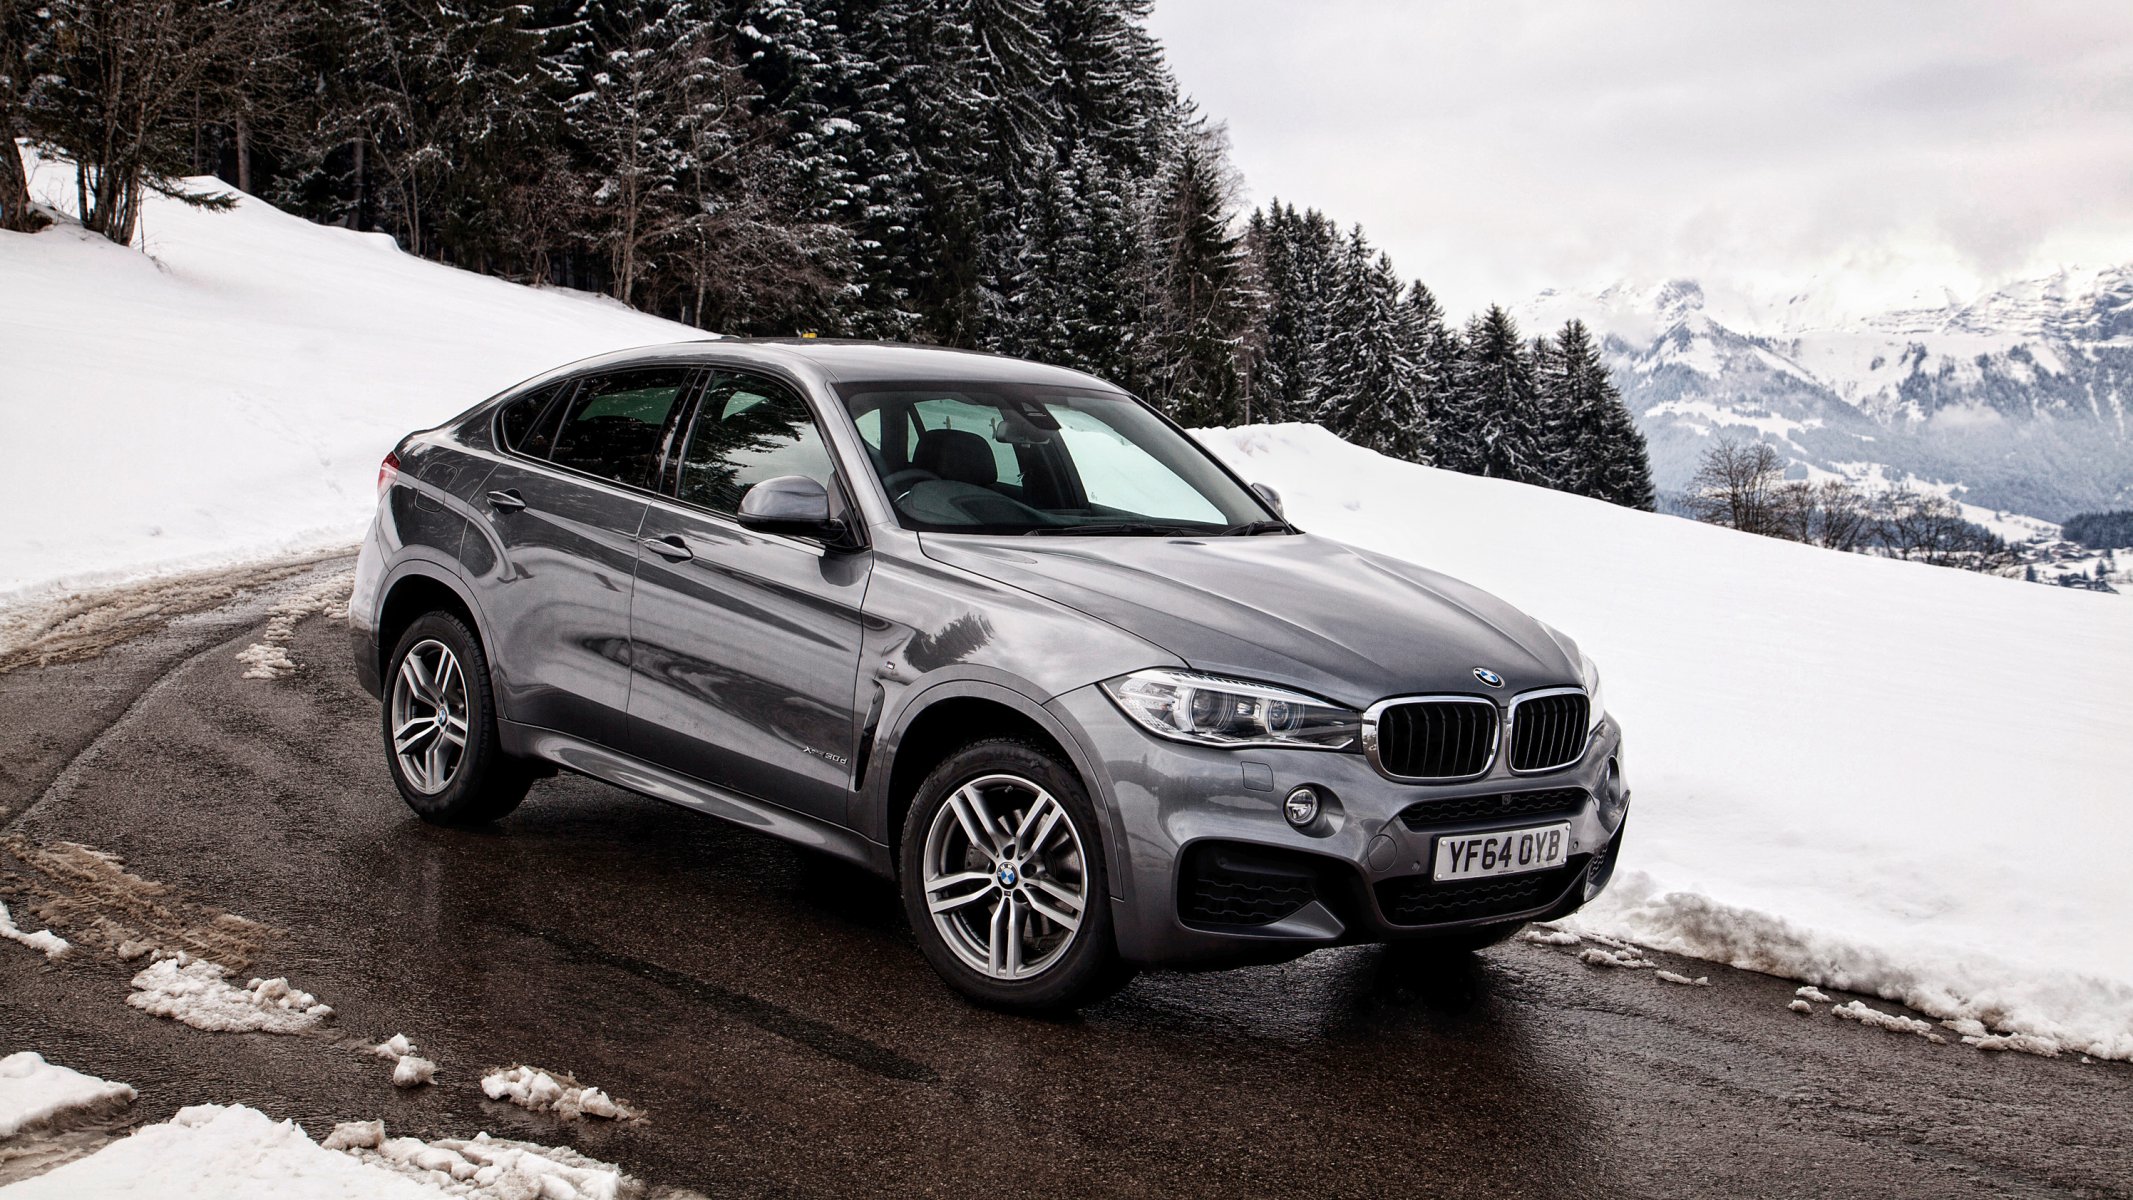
(748, 430)
(522, 425)
(614, 427)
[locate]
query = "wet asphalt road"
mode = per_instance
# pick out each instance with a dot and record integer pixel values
(768, 1009)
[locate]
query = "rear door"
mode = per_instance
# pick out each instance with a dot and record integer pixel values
(746, 643)
(564, 509)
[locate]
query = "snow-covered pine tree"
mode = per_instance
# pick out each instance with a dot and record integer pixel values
(1373, 389)
(1196, 312)
(1493, 427)
(1591, 445)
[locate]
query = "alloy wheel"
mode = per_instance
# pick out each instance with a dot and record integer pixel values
(429, 716)
(1004, 876)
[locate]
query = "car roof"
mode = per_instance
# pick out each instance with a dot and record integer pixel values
(854, 360)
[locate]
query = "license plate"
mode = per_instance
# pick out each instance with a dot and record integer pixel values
(1508, 852)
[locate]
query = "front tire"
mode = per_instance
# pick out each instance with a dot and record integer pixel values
(1004, 883)
(440, 727)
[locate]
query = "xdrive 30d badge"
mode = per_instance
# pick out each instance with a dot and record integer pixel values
(997, 631)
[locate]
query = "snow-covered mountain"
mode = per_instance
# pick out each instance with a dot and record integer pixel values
(2019, 397)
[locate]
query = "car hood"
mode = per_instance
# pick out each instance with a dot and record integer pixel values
(1299, 610)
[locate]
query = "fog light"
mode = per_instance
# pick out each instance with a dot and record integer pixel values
(1301, 808)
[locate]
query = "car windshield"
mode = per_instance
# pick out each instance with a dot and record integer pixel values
(1020, 459)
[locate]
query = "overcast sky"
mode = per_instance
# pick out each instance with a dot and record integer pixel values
(1871, 148)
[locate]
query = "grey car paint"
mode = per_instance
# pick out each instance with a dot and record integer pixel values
(775, 681)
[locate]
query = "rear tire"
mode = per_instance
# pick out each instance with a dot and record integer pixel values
(1003, 879)
(441, 743)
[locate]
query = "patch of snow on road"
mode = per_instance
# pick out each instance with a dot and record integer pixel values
(1858, 1011)
(1811, 992)
(1672, 977)
(1630, 958)
(1549, 937)
(2021, 1042)
(269, 658)
(34, 1092)
(484, 1167)
(1790, 818)
(198, 993)
(44, 941)
(553, 1091)
(409, 1069)
(213, 1152)
(1801, 1006)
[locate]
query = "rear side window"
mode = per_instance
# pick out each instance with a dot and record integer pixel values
(748, 430)
(522, 423)
(615, 427)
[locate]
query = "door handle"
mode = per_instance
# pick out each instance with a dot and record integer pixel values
(670, 547)
(507, 500)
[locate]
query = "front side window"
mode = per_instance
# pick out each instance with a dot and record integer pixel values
(615, 426)
(748, 430)
(1011, 458)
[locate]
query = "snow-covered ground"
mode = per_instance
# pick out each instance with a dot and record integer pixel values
(1868, 774)
(231, 396)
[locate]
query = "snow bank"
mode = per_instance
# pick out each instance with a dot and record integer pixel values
(198, 993)
(33, 1092)
(1888, 778)
(553, 1091)
(44, 941)
(212, 1152)
(252, 343)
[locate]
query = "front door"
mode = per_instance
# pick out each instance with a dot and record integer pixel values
(747, 644)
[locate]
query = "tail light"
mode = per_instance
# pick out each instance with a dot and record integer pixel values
(388, 471)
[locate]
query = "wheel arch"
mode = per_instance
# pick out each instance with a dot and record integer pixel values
(418, 588)
(954, 714)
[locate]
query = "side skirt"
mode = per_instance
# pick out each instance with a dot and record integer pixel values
(609, 766)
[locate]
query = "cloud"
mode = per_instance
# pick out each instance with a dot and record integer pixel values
(1496, 149)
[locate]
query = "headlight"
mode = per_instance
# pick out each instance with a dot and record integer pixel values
(1589, 674)
(1212, 711)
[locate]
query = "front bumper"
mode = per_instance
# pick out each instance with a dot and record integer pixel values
(1205, 868)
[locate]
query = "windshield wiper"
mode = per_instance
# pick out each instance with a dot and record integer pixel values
(1254, 528)
(1114, 529)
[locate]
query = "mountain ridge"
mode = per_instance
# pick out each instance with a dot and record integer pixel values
(2016, 399)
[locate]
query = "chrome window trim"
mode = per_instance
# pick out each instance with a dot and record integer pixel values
(1510, 723)
(1372, 714)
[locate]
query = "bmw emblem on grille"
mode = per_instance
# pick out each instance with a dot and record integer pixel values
(1487, 676)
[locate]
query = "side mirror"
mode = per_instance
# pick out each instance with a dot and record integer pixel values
(790, 504)
(1272, 498)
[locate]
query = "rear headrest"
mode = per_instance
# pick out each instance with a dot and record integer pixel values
(956, 454)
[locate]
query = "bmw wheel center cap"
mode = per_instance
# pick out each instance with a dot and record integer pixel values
(1007, 875)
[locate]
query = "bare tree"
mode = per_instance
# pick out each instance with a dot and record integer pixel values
(123, 72)
(1922, 527)
(1738, 485)
(1840, 516)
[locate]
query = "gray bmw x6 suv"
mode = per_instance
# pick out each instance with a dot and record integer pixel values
(995, 630)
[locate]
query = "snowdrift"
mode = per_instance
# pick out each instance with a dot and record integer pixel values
(1867, 774)
(229, 393)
